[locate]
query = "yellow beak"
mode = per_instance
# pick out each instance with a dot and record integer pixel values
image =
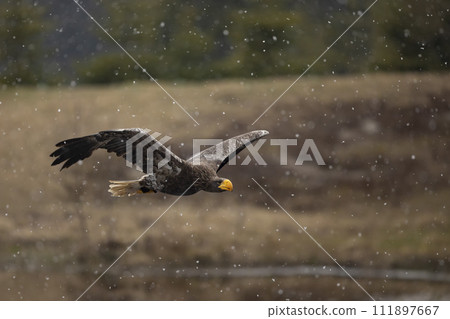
(226, 185)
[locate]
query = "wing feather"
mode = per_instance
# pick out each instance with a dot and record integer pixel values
(220, 154)
(73, 150)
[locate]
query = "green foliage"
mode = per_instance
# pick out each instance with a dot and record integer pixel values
(21, 42)
(412, 35)
(165, 38)
(199, 39)
(267, 42)
(109, 68)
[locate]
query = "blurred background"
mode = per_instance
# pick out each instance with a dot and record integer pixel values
(376, 105)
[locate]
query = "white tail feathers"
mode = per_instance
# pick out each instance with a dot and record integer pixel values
(124, 188)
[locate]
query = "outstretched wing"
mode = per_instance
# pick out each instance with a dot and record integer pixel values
(133, 144)
(219, 154)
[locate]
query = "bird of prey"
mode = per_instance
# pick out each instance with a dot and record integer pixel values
(165, 171)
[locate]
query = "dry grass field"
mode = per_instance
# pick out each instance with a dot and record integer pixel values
(381, 201)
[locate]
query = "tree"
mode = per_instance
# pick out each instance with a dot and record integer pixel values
(267, 41)
(21, 42)
(412, 35)
(167, 39)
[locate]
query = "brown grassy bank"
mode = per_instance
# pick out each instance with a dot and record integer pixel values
(381, 201)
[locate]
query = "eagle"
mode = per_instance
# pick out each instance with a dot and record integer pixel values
(165, 172)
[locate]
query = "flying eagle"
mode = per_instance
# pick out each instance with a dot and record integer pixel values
(165, 171)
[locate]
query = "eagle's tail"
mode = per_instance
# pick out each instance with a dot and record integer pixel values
(126, 188)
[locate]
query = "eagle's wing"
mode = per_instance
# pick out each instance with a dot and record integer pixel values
(219, 154)
(132, 144)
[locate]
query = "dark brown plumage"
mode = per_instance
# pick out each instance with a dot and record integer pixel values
(165, 171)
